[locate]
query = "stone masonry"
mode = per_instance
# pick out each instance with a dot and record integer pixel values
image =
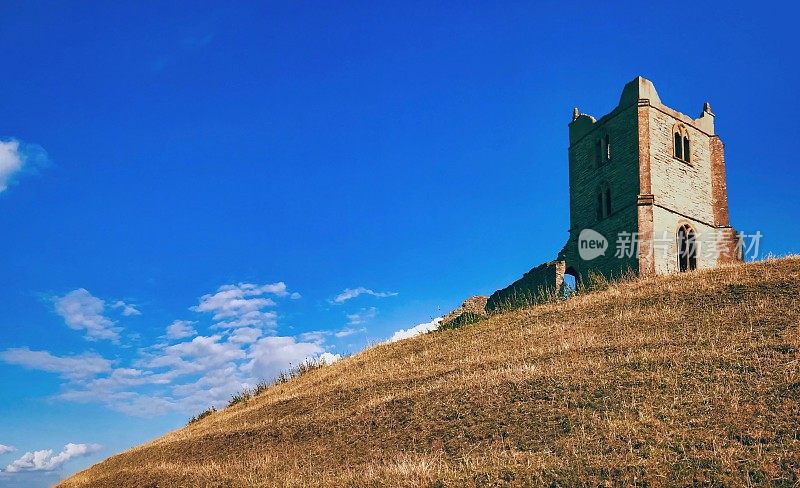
(653, 192)
(646, 174)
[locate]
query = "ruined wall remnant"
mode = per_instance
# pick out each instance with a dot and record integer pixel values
(472, 310)
(535, 286)
(648, 194)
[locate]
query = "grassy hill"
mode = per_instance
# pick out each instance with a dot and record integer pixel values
(678, 380)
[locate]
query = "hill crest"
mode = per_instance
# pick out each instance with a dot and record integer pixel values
(674, 380)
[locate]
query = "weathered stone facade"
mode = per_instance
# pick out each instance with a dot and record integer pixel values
(635, 155)
(473, 309)
(646, 175)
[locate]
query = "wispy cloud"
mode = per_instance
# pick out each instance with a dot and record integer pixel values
(17, 158)
(416, 330)
(348, 331)
(4, 449)
(362, 316)
(83, 311)
(317, 336)
(242, 305)
(127, 308)
(350, 293)
(181, 371)
(181, 329)
(44, 460)
(71, 367)
(192, 375)
(245, 335)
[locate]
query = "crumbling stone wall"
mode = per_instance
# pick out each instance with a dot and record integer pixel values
(653, 194)
(535, 286)
(472, 310)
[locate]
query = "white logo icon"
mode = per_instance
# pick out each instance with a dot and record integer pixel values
(591, 244)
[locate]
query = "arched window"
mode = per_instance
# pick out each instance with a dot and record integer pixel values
(681, 144)
(603, 201)
(602, 150)
(687, 249)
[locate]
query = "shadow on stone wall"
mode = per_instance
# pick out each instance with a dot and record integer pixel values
(539, 285)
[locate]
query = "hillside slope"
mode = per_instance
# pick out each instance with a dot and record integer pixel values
(691, 379)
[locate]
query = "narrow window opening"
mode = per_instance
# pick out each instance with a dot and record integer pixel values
(608, 148)
(686, 148)
(681, 143)
(608, 202)
(687, 249)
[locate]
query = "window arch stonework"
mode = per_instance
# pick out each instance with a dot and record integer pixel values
(687, 248)
(603, 201)
(681, 144)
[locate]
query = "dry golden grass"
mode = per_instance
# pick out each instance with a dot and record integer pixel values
(671, 381)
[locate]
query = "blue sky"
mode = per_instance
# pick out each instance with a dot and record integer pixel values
(188, 188)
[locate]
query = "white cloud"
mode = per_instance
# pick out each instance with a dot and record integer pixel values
(244, 335)
(10, 162)
(329, 358)
(242, 305)
(362, 316)
(347, 331)
(185, 377)
(295, 296)
(81, 310)
(350, 293)
(44, 460)
(128, 402)
(16, 157)
(255, 318)
(127, 308)
(316, 336)
(198, 355)
(180, 371)
(180, 329)
(213, 388)
(4, 449)
(416, 330)
(82, 366)
(269, 355)
(278, 289)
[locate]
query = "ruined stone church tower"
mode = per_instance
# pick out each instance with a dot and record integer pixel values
(647, 194)
(651, 180)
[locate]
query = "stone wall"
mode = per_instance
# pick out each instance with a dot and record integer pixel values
(683, 188)
(653, 193)
(535, 286)
(586, 176)
(472, 310)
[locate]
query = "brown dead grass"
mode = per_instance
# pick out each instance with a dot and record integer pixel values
(680, 380)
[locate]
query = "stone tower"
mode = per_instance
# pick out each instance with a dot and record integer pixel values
(650, 181)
